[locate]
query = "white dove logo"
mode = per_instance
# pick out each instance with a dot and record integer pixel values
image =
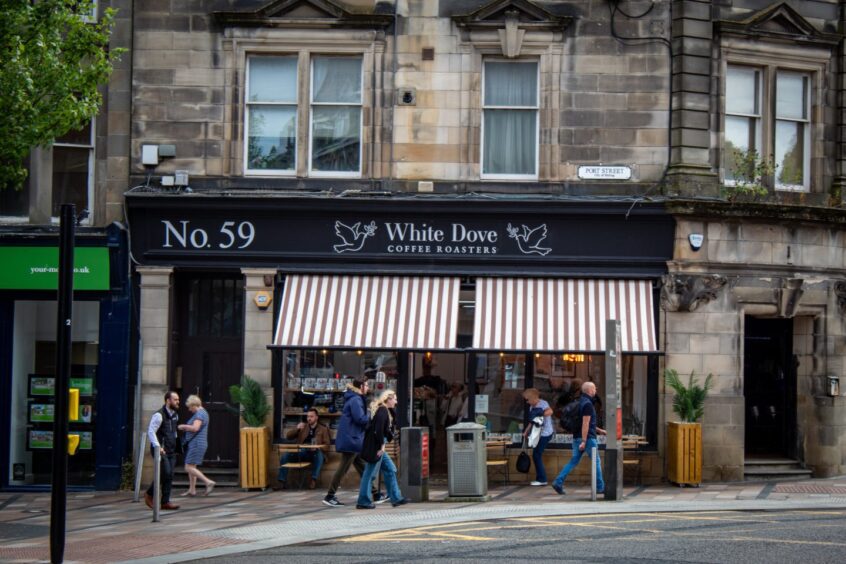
(353, 237)
(529, 239)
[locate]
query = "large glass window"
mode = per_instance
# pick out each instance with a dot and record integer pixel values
(271, 114)
(33, 391)
(333, 112)
(318, 378)
(510, 120)
(786, 148)
(500, 381)
(743, 121)
(792, 132)
(336, 115)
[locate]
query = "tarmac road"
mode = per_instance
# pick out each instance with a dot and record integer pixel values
(807, 536)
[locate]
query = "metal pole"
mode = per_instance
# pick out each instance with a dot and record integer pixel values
(139, 464)
(593, 473)
(58, 495)
(157, 488)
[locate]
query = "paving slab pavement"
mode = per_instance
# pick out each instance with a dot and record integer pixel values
(109, 527)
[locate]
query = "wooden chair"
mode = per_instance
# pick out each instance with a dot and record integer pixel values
(497, 456)
(631, 454)
(301, 467)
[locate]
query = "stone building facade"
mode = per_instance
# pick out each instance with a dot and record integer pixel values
(607, 105)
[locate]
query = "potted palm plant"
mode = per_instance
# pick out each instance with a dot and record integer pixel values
(253, 408)
(684, 438)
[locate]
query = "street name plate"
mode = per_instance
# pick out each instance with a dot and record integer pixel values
(601, 172)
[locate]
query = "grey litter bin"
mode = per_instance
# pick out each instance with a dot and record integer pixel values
(467, 460)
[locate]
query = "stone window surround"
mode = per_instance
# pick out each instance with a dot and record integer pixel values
(769, 58)
(306, 44)
(543, 48)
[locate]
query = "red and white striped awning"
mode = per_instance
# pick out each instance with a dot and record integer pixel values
(374, 312)
(553, 314)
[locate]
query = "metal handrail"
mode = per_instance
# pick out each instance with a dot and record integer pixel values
(139, 464)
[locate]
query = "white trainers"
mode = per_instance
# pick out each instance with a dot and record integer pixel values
(536, 483)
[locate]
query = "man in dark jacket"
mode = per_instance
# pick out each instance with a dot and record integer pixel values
(349, 440)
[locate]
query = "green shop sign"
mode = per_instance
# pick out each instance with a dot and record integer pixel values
(37, 268)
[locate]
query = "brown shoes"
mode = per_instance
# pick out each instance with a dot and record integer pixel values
(148, 499)
(311, 483)
(169, 506)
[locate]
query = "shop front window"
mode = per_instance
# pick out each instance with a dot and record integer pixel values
(318, 378)
(500, 381)
(33, 392)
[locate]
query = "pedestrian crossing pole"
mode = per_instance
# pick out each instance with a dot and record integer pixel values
(613, 472)
(58, 496)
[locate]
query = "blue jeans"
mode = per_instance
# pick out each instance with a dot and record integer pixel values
(313, 456)
(389, 473)
(537, 458)
(577, 456)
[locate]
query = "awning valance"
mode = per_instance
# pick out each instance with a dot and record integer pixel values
(553, 314)
(374, 312)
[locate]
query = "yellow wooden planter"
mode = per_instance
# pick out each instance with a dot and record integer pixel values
(684, 453)
(253, 468)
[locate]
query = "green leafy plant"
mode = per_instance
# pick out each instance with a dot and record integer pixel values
(253, 405)
(127, 475)
(53, 60)
(689, 401)
(747, 173)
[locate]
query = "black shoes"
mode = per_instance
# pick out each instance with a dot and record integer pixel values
(403, 501)
(332, 502)
(379, 498)
(359, 506)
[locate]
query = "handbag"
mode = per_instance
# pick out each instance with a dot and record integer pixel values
(524, 463)
(372, 444)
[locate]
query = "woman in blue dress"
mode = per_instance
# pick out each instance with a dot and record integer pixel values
(195, 443)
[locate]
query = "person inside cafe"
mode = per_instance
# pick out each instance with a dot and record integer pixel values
(313, 436)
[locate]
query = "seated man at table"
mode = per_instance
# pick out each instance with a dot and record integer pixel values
(313, 434)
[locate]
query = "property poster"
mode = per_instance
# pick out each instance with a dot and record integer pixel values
(84, 385)
(41, 412)
(42, 385)
(40, 439)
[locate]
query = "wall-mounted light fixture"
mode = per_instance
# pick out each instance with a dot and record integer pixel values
(573, 357)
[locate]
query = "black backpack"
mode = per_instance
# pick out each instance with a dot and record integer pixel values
(570, 420)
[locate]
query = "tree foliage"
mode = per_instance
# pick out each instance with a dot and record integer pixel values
(689, 401)
(253, 405)
(51, 63)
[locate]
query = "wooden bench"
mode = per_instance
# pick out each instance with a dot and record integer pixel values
(497, 456)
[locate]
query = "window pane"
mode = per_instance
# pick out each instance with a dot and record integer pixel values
(336, 141)
(273, 79)
(511, 84)
(742, 91)
(77, 137)
(502, 379)
(739, 138)
(790, 153)
(271, 141)
(791, 96)
(70, 178)
(510, 142)
(337, 80)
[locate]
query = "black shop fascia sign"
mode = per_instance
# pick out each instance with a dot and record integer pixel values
(456, 236)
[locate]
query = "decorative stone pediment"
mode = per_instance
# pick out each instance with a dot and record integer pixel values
(779, 21)
(686, 292)
(300, 14)
(511, 20)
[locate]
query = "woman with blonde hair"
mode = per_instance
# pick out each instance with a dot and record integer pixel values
(196, 441)
(380, 431)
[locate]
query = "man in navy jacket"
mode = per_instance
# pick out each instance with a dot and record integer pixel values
(350, 438)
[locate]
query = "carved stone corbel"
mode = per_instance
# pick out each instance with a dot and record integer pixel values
(685, 292)
(787, 296)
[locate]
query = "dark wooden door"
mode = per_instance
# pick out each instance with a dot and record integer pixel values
(769, 387)
(208, 354)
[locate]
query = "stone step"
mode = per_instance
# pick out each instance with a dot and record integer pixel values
(773, 474)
